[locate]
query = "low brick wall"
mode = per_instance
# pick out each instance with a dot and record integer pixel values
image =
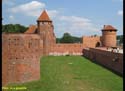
(112, 61)
(66, 49)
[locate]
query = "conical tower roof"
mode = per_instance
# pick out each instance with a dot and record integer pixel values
(44, 16)
(109, 27)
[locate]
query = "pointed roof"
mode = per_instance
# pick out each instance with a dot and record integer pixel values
(31, 29)
(44, 16)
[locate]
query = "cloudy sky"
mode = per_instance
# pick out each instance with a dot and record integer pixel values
(78, 17)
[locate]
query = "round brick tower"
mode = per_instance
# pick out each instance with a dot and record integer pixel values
(109, 36)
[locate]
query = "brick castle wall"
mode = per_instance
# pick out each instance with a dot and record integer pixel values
(67, 49)
(20, 58)
(92, 41)
(113, 61)
(21, 55)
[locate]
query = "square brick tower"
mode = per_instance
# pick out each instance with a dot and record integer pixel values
(46, 32)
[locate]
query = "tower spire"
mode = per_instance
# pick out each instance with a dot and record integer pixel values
(44, 16)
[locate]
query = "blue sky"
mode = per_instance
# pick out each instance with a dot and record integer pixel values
(78, 17)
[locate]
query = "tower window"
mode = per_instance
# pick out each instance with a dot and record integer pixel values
(41, 23)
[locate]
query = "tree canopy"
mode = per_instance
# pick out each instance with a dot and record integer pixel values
(13, 28)
(67, 38)
(120, 38)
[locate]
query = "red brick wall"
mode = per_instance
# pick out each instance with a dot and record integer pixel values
(91, 41)
(106, 58)
(46, 32)
(66, 49)
(20, 58)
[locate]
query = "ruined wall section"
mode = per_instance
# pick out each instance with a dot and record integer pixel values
(20, 58)
(91, 41)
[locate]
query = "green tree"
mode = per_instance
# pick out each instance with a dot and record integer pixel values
(13, 28)
(58, 40)
(120, 38)
(67, 38)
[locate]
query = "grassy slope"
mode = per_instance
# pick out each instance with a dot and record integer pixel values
(74, 73)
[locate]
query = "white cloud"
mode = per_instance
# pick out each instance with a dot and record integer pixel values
(11, 17)
(33, 5)
(75, 25)
(120, 12)
(32, 8)
(52, 13)
(78, 23)
(74, 18)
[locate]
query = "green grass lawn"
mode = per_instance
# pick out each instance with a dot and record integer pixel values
(74, 73)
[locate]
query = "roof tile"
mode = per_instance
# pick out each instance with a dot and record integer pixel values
(108, 27)
(31, 29)
(44, 17)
